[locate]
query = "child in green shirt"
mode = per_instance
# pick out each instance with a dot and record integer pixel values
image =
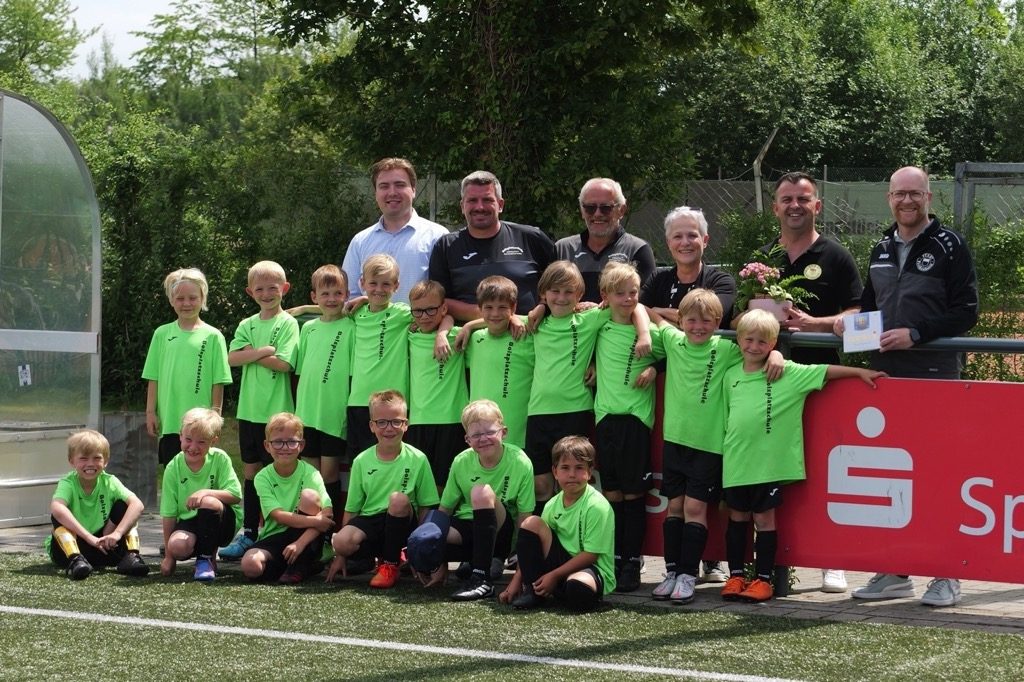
(94, 516)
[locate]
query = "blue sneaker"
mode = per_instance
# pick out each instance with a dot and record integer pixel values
(205, 570)
(239, 546)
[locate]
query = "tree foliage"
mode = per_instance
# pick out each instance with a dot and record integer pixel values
(38, 37)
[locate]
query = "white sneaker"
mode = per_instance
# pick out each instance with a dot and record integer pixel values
(664, 589)
(833, 581)
(682, 593)
(885, 586)
(713, 572)
(942, 592)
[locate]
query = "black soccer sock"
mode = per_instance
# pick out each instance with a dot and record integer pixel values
(620, 525)
(736, 545)
(503, 539)
(485, 528)
(531, 555)
(334, 492)
(672, 541)
(635, 512)
(208, 523)
(250, 510)
(766, 543)
(695, 538)
(396, 531)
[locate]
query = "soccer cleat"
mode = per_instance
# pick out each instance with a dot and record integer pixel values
(629, 580)
(133, 565)
(354, 566)
(478, 588)
(386, 576)
(733, 587)
(682, 593)
(758, 590)
(942, 592)
(664, 589)
(79, 568)
(527, 599)
(714, 573)
(291, 576)
(238, 547)
(497, 568)
(511, 562)
(885, 586)
(833, 581)
(206, 571)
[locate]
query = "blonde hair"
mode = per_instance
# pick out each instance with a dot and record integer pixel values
(615, 275)
(426, 288)
(561, 273)
(267, 269)
(577, 447)
(380, 264)
(481, 411)
(284, 420)
(190, 275)
(388, 397)
(88, 441)
(497, 288)
(203, 421)
(702, 302)
(329, 276)
(758, 322)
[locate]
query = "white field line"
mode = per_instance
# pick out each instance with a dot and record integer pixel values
(390, 646)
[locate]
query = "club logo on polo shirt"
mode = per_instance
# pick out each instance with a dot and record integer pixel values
(925, 262)
(812, 271)
(618, 258)
(512, 251)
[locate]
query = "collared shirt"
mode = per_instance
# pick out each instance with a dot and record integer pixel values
(410, 246)
(624, 248)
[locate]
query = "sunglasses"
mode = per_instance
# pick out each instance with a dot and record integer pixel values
(605, 209)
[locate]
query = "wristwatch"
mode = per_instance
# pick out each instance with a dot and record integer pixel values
(915, 335)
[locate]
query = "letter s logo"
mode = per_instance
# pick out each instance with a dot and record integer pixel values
(897, 492)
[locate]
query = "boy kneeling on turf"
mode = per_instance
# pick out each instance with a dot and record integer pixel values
(388, 484)
(296, 509)
(567, 553)
(94, 516)
(199, 504)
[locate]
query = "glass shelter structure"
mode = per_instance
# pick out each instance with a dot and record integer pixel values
(49, 305)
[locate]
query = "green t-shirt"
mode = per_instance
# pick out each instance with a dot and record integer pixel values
(324, 366)
(380, 359)
(264, 392)
(279, 492)
(501, 369)
(372, 481)
(437, 390)
(693, 389)
(180, 482)
(586, 526)
(764, 433)
(564, 347)
(511, 479)
(185, 365)
(618, 368)
(92, 510)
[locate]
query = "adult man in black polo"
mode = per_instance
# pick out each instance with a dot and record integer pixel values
(488, 246)
(602, 206)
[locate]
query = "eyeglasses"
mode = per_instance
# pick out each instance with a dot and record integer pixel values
(393, 423)
(286, 444)
(429, 312)
(913, 195)
(605, 209)
(483, 434)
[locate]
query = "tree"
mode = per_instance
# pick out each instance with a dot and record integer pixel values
(38, 37)
(544, 94)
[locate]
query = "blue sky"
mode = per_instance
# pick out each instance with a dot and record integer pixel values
(116, 18)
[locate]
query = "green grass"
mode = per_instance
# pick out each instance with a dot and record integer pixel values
(37, 647)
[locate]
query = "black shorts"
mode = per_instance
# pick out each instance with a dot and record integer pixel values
(558, 556)
(168, 447)
(360, 436)
(757, 498)
(623, 445)
(250, 442)
(225, 530)
(373, 526)
(440, 443)
(320, 444)
(275, 544)
(697, 474)
(464, 527)
(544, 430)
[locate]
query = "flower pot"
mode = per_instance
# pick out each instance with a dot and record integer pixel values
(780, 309)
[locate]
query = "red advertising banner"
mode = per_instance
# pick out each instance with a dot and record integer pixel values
(922, 477)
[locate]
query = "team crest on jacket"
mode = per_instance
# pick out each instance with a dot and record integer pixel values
(925, 262)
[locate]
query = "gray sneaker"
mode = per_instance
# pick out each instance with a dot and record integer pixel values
(942, 592)
(885, 586)
(497, 568)
(664, 589)
(683, 591)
